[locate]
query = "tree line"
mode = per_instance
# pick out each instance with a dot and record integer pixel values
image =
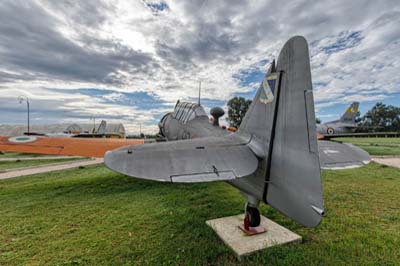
(380, 118)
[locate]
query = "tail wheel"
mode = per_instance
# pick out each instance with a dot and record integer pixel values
(253, 216)
(330, 131)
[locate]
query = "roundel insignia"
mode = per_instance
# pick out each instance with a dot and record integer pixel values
(268, 85)
(22, 139)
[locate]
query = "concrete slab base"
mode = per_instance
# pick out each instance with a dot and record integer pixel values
(227, 228)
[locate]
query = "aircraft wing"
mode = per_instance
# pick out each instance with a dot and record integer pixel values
(186, 161)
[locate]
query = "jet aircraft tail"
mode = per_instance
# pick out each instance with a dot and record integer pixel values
(102, 127)
(351, 112)
(281, 118)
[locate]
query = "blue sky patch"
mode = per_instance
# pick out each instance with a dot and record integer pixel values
(157, 7)
(246, 77)
(249, 76)
(345, 41)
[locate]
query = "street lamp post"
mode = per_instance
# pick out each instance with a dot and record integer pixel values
(21, 99)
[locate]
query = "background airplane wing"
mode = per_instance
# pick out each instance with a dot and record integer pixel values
(187, 161)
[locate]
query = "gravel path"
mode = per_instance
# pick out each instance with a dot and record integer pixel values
(391, 161)
(49, 168)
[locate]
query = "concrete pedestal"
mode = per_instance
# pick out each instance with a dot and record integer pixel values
(228, 230)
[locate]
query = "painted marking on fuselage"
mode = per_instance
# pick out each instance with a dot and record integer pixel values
(330, 151)
(22, 139)
(268, 84)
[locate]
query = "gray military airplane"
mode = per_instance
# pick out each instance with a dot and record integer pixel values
(273, 157)
(346, 123)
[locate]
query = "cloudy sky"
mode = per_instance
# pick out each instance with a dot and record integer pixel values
(130, 60)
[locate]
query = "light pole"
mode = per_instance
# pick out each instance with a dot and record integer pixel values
(21, 99)
(94, 123)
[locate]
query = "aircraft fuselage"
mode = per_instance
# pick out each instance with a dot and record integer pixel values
(336, 127)
(199, 127)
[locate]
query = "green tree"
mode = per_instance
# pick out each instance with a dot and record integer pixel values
(237, 108)
(317, 120)
(358, 117)
(381, 117)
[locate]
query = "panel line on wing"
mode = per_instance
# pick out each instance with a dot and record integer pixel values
(203, 177)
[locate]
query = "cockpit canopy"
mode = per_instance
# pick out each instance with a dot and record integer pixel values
(186, 112)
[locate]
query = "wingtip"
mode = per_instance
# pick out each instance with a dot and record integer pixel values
(107, 156)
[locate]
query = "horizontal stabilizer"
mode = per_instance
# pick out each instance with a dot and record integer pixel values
(187, 161)
(335, 155)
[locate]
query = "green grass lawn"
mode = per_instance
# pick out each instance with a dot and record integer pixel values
(375, 146)
(8, 165)
(93, 216)
(22, 155)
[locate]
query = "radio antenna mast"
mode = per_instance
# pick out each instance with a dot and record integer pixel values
(199, 91)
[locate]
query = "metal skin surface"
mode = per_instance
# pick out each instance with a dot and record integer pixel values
(199, 127)
(346, 123)
(331, 155)
(272, 158)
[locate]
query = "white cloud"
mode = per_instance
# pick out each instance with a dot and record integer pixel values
(126, 46)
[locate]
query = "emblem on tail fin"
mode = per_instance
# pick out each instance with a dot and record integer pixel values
(351, 113)
(353, 108)
(268, 84)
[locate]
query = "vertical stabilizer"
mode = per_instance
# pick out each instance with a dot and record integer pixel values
(282, 118)
(351, 112)
(102, 127)
(294, 184)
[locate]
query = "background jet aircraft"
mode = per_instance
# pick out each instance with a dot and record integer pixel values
(99, 133)
(346, 123)
(272, 158)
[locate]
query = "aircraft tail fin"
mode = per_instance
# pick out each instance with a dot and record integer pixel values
(282, 118)
(351, 112)
(102, 127)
